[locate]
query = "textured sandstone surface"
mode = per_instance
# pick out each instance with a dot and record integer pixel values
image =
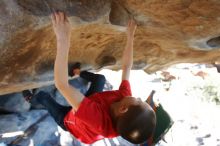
(169, 32)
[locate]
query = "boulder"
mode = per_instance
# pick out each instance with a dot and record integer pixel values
(13, 103)
(168, 32)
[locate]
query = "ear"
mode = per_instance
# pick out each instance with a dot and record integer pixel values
(122, 109)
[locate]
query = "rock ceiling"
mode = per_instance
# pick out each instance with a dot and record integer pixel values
(169, 32)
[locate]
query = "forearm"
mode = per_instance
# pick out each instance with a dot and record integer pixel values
(127, 58)
(71, 94)
(61, 75)
(61, 63)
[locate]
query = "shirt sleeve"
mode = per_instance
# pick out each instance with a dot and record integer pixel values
(125, 88)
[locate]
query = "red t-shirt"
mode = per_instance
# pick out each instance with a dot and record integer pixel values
(92, 120)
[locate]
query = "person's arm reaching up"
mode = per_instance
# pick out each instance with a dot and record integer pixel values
(127, 58)
(62, 30)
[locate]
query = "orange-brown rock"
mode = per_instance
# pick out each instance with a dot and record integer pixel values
(169, 32)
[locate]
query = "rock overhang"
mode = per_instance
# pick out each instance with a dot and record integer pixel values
(168, 32)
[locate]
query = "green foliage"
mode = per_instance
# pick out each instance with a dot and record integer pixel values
(211, 94)
(207, 91)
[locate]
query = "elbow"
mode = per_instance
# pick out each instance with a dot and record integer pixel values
(60, 86)
(127, 67)
(127, 64)
(60, 83)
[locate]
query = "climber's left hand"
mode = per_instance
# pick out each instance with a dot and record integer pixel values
(61, 26)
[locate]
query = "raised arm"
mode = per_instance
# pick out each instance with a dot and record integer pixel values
(62, 30)
(127, 58)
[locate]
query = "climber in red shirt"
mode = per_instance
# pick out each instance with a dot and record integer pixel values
(97, 114)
